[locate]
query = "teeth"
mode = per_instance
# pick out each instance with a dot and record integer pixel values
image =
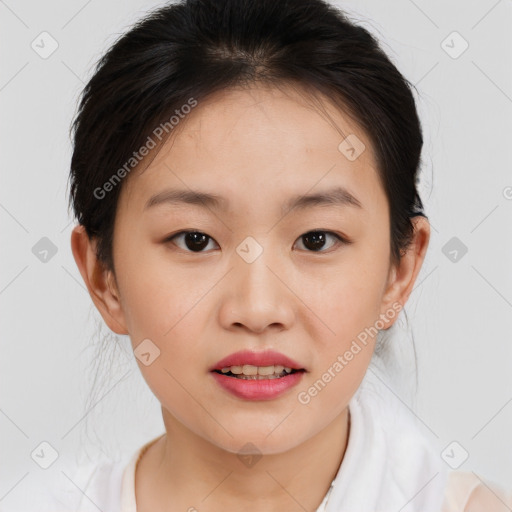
(250, 370)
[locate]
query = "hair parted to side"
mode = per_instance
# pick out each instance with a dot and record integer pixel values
(194, 48)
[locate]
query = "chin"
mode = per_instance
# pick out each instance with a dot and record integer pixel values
(254, 441)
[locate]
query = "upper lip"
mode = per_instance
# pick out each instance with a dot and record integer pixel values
(265, 358)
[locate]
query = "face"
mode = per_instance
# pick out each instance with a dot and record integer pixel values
(305, 282)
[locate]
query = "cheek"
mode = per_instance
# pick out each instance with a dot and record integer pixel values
(167, 307)
(348, 308)
(157, 297)
(349, 298)
(344, 351)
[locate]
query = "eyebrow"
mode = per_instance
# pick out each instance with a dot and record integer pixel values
(338, 196)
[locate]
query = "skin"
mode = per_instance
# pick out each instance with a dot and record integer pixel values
(257, 147)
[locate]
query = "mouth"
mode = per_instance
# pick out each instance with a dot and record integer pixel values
(252, 365)
(250, 375)
(251, 372)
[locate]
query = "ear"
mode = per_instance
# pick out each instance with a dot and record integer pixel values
(99, 281)
(402, 277)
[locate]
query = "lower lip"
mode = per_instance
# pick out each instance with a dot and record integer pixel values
(258, 389)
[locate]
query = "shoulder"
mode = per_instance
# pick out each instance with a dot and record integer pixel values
(469, 492)
(84, 487)
(110, 486)
(101, 485)
(92, 487)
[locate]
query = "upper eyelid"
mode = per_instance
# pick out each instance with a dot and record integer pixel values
(186, 231)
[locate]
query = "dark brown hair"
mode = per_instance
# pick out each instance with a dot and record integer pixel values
(194, 48)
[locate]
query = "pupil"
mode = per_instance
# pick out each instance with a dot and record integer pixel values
(314, 240)
(198, 241)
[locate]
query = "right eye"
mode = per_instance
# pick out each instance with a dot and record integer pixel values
(194, 241)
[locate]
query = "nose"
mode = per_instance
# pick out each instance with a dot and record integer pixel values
(257, 297)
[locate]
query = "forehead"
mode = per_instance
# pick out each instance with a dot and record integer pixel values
(257, 144)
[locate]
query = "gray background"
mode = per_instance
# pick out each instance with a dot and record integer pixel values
(460, 311)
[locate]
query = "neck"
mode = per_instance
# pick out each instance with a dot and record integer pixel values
(183, 471)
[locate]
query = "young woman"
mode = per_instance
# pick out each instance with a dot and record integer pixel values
(244, 178)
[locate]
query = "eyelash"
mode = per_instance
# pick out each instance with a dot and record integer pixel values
(340, 239)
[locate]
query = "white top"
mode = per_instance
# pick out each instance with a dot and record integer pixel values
(389, 465)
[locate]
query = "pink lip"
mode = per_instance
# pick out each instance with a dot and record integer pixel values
(264, 389)
(257, 389)
(266, 358)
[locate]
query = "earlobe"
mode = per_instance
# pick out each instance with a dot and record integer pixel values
(98, 279)
(403, 276)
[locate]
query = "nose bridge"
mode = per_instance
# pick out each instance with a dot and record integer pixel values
(253, 262)
(258, 297)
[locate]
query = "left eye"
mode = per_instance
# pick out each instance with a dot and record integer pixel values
(315, 240)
